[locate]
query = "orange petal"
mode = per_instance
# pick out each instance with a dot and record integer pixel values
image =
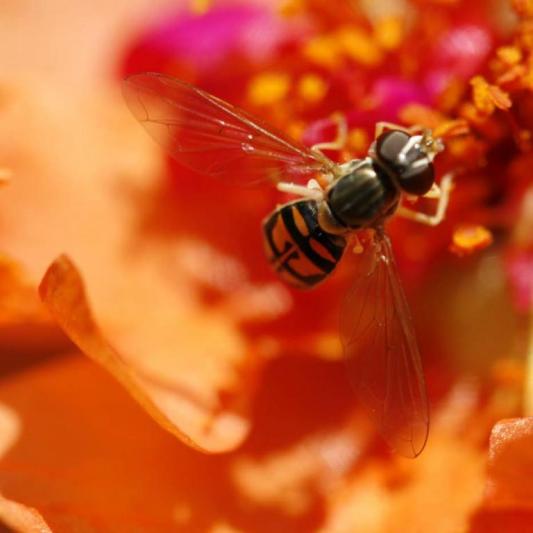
(510, 474)
(26, 330)
(106, 211)
(508, 502)
(5, 175)
(170, 402)
(18, 298)
(444, 483)
(18, 517)
(523, 7)
(497, 521)
(418, 114)
(89, 460)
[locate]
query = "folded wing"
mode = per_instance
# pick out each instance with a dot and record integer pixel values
(382, 352)
(213, 137)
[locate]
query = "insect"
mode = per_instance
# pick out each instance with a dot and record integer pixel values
(306, 238)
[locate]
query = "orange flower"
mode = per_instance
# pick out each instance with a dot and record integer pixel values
(159, 276)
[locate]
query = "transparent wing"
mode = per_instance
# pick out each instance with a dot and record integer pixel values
(382, 352)
(211, 136)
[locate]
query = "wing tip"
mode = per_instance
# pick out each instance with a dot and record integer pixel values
(412, 446)
(143, 80)
(136, 89)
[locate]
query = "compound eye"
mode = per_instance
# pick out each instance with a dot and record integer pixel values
(417, 178)
(412, 169)
(388, 148)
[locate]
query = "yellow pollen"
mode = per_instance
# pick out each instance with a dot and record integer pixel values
(511, 55)
(512, 74)
(358, 140)
(487, 97)
(388, 32)
(523, 7)
(508, 372)
(469, 238)
(296, 129)
(290, 8)
(359, 46)
(324, 51)
(199, 7)
(312, 88)
(268, 88)
(328, 346)
(451, 95)
(526, 33)
(527, 78)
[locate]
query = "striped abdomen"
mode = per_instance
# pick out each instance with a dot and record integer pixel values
(300, 251)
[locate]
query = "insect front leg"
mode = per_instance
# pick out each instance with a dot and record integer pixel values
(382, 126)
(340, 140)
(442, 194)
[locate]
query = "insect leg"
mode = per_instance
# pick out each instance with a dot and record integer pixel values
(310, 191)
(357, 245)
(341, 139)
(382, 126)
(442, 194)
(434, 193)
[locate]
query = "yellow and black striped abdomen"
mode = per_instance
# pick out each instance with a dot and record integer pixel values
(300, 251)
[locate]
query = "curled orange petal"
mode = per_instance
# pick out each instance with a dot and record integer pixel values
(174, 407)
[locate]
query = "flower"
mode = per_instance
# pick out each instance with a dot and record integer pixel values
(159, 275)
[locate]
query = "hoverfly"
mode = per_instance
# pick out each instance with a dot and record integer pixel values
(306, 238)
